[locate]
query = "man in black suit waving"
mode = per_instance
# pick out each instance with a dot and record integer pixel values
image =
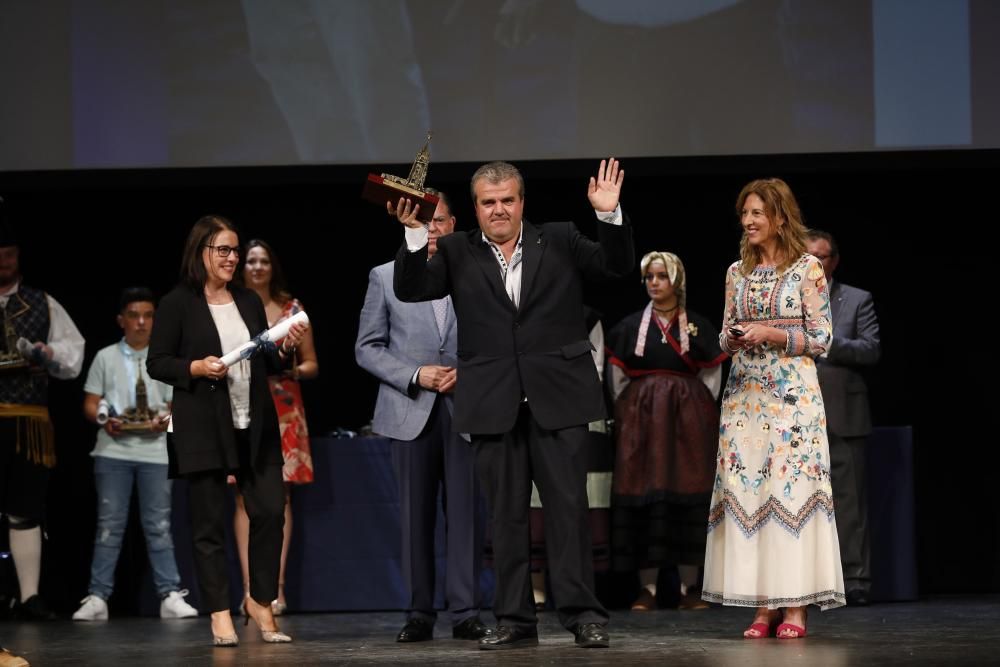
(527, 386)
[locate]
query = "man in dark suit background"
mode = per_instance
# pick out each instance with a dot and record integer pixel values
(848, 415)
(410, 348)
(526, 384)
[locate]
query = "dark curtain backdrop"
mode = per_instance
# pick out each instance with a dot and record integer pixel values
(914, 228)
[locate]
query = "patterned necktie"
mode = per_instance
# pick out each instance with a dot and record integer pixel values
(440, 313)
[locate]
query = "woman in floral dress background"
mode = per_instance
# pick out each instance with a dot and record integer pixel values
(262, 273)
(772, 541)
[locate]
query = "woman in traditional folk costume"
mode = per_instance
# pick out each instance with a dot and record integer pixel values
(665, 376)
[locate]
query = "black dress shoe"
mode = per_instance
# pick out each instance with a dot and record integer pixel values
(35, 609)
(857, 598)
(507, 636)
(416, 630)
(592, 635)
(471, 628)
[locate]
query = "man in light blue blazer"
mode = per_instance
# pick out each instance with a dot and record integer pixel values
(411, 349)
(855, 346)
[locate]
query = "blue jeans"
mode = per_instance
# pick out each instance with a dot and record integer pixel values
(114, 478)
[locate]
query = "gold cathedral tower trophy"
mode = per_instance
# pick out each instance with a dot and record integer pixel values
(139, 418)
(380, 189)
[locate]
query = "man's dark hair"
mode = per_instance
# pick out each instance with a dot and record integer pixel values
(819, 234)
(442, 196)
(133, 294)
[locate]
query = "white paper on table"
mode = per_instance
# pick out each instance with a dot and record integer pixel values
(277, 332)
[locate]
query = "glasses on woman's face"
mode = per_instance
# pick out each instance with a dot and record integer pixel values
(224, 250)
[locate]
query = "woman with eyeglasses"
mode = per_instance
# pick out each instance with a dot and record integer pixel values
(223, 419)
(263, 274)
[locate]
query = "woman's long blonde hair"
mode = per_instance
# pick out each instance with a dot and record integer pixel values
(781, 207)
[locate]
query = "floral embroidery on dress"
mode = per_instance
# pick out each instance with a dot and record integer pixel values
(772, 534)
(772, 438)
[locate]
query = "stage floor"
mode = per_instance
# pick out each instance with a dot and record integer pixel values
(932, 632)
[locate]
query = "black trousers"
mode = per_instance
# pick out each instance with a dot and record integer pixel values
(439, 460)
(264, 496)
(556, 461)
(23, 483)
(848, 475)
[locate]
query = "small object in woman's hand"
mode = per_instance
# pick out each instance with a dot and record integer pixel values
(736, 333)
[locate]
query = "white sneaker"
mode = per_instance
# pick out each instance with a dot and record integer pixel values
(92, 608)
(174, 606)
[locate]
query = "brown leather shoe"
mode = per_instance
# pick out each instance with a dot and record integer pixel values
(8, 659)
(645, 602)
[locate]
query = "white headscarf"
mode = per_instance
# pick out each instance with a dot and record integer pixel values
(675, 272)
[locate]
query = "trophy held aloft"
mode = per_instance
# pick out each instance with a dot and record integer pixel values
(383, 188)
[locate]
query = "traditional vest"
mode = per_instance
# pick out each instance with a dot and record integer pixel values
(24, 394)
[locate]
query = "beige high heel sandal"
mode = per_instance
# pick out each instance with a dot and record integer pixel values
(275, 636)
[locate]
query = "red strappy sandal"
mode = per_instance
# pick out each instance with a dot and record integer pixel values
(764, 630)
(799, 631)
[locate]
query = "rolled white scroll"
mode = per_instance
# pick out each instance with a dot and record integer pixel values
(277, 332)
(103, 411)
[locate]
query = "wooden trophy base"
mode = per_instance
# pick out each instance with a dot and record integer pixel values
(13, 362)
(137, 427)
(379, 190)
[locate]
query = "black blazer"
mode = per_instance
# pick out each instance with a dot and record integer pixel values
(203, 437)
(540, 350)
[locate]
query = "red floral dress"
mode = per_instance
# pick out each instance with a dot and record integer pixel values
(287, 394)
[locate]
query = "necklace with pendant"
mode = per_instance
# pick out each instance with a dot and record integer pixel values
(662, 326)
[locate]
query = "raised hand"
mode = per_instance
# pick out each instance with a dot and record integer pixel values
(605, 190)
(405, 211)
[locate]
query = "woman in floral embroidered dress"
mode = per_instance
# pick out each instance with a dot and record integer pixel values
(772, 540)
(262, 273)
(664, 375)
